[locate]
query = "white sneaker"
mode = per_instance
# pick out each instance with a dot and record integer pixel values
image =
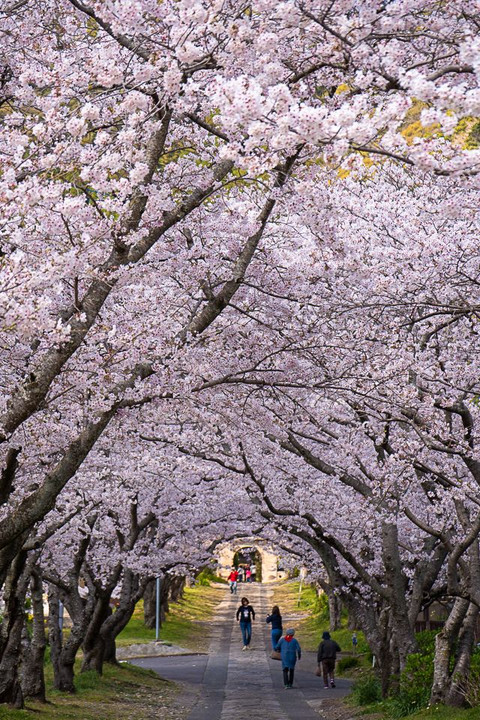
(244, 647)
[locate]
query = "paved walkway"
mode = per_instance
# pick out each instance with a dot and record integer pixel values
(246, 685)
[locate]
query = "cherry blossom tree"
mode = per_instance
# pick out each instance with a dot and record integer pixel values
(205, 195)
(364, 405)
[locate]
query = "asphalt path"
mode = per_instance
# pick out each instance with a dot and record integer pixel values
(246, 685)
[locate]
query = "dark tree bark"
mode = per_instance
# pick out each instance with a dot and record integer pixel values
(443, 651)
(11, 630)
(149, 604)
(64, 651)
(177, 587)
(334, 610)
(62, 669)
(94, 642)
(132, 591)
(456, 692)
(32, 672)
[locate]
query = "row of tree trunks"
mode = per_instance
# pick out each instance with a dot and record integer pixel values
(171, 590)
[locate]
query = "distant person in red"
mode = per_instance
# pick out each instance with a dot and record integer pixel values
(233, 579)
(248, 574)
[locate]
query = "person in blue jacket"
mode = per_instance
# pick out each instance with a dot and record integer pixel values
(276, 621)
(290, 649)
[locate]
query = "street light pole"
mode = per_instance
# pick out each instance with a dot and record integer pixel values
(157, 609)
(60, 615)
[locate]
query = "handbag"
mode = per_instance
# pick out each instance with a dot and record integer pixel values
(318, 671)
(276, 655)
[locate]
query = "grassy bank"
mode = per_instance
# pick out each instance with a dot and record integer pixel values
(122, 693)
(185, 624)
(382, 711)
(125, 691)
(308, 613)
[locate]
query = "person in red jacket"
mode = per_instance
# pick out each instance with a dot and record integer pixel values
(233, 579)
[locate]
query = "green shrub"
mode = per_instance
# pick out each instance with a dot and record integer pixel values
(321, 608)
(207, 576)
(367, 690)
(426, 641)
(470, 686)
(408, 701)
(416, 679)
(347, 662)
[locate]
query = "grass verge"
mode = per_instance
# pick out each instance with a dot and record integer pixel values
(308, 613)
(185, 624)
(125, 691)
(382, 711)
(122, 693)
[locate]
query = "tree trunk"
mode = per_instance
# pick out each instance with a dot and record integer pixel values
(177, 587)
(334, 610)
(132, 591)
(150, 601)
(64, 652)
(149, 605)
(352, 620)
(443, 650)
(32, 672)
(11, 631)
(94, 643)
(403, 641)
(456, 693)
(63, 673)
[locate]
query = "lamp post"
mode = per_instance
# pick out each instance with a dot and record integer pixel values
(60, 615)
(157, 609)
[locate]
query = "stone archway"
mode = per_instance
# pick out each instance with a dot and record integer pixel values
(250, 557)
(269, 558)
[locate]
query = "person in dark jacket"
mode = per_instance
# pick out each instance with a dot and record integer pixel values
(245, 614)
(289, 648)
(327, 654)
(276, 621)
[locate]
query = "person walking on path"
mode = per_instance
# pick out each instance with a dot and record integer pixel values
(232, 579)
(327, 654)
(248, 575)
(245, 614)
(354, 642)
(290, 649)
(276, 621)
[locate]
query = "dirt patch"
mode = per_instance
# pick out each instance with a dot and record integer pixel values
(335, 709)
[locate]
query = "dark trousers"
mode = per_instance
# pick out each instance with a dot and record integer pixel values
(328, 667)
(288, 674)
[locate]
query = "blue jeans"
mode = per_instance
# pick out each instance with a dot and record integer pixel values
(276, 635)
(246, 628)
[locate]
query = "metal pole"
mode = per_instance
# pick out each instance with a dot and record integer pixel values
(157, 609)
(302, 578)
(60, 615)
